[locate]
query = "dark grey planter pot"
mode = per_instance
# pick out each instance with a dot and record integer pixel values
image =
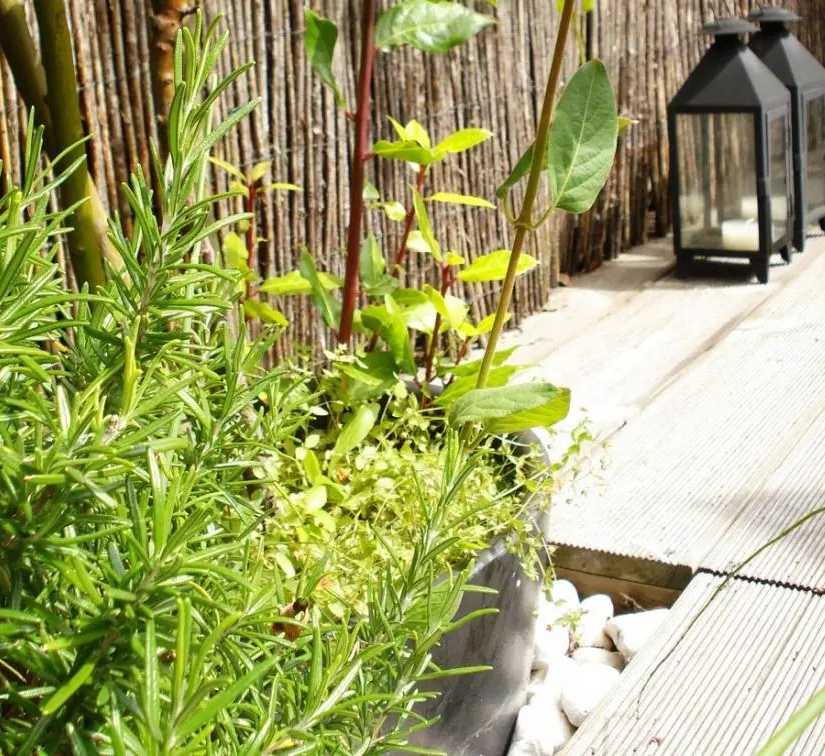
(478, 712)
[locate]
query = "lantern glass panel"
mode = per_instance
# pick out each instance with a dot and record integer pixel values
(780, 200)
(717, 181)
(815, 188)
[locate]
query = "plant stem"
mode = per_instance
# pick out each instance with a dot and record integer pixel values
(446, 282)
(167, 18)
(362, 139)
(251, 237)
(401, 254)
(523, 223)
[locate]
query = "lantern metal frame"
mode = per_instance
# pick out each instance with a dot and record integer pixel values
(730, 78)
(804, 76)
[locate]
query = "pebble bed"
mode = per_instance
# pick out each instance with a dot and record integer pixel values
(581, 648)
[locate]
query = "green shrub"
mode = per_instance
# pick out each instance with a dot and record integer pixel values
(178, 575)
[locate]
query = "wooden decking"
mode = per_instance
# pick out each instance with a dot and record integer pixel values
(710, 394)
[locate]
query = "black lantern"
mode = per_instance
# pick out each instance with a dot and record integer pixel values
(804, 75)
(730, 162)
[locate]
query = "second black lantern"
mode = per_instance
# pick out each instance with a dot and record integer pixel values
(729, 130)
(804, 76)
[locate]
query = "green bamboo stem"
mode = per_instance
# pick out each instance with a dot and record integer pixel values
(87, 240)
(21, 54)
(52, 90)
(524, 222)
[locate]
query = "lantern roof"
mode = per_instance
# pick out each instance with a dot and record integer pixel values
(782, 52)
(730, 77)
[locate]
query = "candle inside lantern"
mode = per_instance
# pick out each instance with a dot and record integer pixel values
(749, 207)
(742, 235)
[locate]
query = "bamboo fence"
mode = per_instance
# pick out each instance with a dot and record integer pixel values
(494, 81)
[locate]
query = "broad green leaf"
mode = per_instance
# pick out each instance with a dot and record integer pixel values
(493, 266)
(235, 252)
(425, 227)
(461, 385)
(625, 122)
(320, 37)
(390, 322)
(453, 310)
(460, 199)
(408, 151)
(472, 368)
(417, 243)
(295, 283)
(284, 186)
(415, 131)
(485, 325)
(395, 211)
(376, 281)
(587, 5)
(400, 130)
(356, 429)
(509, 409)
(520, 170)
(418, 310)
(453, 258)
(258, 171)
(428, 26)
(329, 308)
(582, 140)
(370, 193)
(372, 262)
(264, 312)
(228, 167)
(463, 139)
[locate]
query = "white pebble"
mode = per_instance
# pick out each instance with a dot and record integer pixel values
(585, 691)
(541, 730)
(564, 591)
(597, 611)
(564, 600)
(550, 644)
(630, 632)
(548, 682)
(599, 656)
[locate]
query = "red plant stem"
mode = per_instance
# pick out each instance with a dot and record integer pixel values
(401, 254)
(251, 240)
(362, 139)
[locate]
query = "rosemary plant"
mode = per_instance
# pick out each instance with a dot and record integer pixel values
(142, 609)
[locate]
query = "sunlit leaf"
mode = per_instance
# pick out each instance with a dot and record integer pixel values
(425, 227)
(329, 308)
(463, 139)
(408, 151)
(460, 199)
(320, 37)
(428, 26)
(582, 140)
(294, 283)
(265, 313)
(509, 409)
(493, 266)
(356, 429)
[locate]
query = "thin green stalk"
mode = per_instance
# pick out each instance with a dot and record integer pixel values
(523, 224)
(790, 732)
